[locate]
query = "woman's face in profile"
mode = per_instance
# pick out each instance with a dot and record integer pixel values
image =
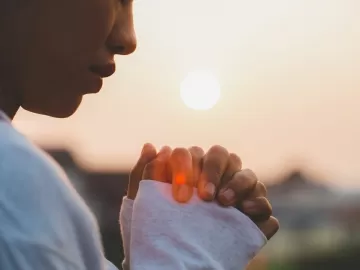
(53, 52)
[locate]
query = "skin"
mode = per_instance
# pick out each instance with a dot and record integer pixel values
(232, 185)
(52, 53)
(48, 62)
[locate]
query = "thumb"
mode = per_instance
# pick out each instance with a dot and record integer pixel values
(148, 153)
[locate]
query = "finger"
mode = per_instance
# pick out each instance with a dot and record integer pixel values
(257, 209)
(197, 155)
(269, 227)
(239, 187)
(233, 166)
(157, 168)
(259, 191)
(214, 165)
(148, 153)
(165, 158)
(181, 168)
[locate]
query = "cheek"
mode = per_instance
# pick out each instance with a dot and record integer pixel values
(88, 33)
(72, 30)
(63, 37)
(55, 42)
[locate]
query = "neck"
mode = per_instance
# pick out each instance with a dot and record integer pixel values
(8, 103)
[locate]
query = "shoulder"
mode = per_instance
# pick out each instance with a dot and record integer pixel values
(24, 164)
(39, 209)
(35, 201)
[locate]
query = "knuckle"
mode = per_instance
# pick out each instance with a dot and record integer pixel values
(165, 148)
(196, 151)
(267, 208)
(262, 208)
(213, 167)
(274, 223)
(218, 149)
(242, 182)
(235, 160)
(164, 152)
(261, 189)
(269, 227)
(249, 176)
(232, 167)
(215, 161)
(178, 154)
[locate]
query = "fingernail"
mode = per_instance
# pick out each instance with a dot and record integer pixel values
(228, 195)
(249, 205)
(162, 153)
(210, 189)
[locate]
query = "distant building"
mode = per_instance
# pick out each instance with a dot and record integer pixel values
(314, 218)
(301, 203)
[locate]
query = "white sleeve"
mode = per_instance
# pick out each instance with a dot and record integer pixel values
(197, 235)
(125, 228)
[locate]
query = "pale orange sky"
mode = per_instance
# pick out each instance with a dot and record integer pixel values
(290, 77)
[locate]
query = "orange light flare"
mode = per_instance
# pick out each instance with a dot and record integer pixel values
(180, 179)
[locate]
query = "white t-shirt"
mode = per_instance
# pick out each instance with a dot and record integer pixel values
(44, 224)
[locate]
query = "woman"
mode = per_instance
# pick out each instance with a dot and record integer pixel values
(52, 53)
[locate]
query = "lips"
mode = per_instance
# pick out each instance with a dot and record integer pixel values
(104, 70)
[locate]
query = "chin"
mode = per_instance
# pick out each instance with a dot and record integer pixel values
(56, 108)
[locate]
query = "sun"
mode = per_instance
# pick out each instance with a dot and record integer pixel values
(200, 90)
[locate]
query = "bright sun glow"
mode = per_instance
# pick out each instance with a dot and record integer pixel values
(200, 90)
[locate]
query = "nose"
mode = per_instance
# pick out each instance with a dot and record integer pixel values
(122, 39)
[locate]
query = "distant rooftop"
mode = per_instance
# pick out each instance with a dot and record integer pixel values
(296, 181)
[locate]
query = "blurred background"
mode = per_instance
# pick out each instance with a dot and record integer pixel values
(283, 93)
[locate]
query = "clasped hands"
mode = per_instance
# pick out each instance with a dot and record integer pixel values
(218, 176)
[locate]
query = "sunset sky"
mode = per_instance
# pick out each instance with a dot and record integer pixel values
(290, 81)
